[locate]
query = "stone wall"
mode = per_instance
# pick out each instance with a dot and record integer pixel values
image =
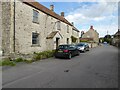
(6, 27)
(75, 34)
(0, 28)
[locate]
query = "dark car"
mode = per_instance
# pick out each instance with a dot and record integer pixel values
(66, 51)
(82, 47)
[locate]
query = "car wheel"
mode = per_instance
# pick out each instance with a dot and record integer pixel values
(78, 53)
(84, 51)
(70, 56)
(55, 57)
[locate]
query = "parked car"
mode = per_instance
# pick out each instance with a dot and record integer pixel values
(87, 47)
(66, 51)
(82, 47)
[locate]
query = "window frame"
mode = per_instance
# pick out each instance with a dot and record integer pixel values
(58, 25)
(35, 16)
(67, 28)
(36, 39)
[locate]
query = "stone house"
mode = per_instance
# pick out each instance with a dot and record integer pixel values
(29, 27)
(116, 39)
(91, 37)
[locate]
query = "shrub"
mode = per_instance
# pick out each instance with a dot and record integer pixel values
(28, 61)
(8, 62)
(0, 62)
(37, 56)
(19, 60)
(43, 55)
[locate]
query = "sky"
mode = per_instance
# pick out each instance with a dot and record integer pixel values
(102, 15)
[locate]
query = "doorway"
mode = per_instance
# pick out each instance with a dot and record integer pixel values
(67, 40)
(57, 42)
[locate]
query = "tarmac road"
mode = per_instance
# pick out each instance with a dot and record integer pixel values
(97, 68)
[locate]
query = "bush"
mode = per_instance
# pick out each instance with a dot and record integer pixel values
(0, 62)
(37, 56)
(7, 62)
(28, 61)
(19, 60)
(43, 55)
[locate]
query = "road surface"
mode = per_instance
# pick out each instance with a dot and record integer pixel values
(97, 68)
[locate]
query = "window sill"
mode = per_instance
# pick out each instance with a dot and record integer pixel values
(35, 45)
(35, 22)
(59, 29)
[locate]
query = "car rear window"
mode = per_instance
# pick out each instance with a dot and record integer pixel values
(63, 46)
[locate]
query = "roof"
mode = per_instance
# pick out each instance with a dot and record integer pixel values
(52, 34)
(42, 8)
(74, 28)
(117, 33)
(88, 39)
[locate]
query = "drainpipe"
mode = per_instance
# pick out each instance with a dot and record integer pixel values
(14, 29)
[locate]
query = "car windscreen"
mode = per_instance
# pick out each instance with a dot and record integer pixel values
(63, 47)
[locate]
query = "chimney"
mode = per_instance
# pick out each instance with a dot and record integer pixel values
(72, 23)
(91, 27)
(52, 7)
(62, 14)
(82, 32)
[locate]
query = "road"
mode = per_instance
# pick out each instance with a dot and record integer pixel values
(97, 68)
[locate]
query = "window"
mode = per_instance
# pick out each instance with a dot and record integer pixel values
(35, 16)
(58, 25)
(35, 38)
(67, 28)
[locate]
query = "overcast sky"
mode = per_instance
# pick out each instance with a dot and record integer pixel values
(103, 15)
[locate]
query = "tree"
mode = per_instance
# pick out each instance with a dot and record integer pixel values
(108, 39)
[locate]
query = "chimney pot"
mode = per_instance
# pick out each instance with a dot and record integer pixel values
(62, 14)
(52, 7)
(72, 23)
(91, 27)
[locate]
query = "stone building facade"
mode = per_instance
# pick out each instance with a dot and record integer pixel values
(29, 27)
(75, 35)
(0, 28)
(91, 36)
(116, 39)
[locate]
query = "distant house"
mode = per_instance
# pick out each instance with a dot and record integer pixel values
(116, 38)
(91, 37)
(29, 27)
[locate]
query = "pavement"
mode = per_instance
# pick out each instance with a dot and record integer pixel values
(97, 68)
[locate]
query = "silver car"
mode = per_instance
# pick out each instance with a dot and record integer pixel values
(83, 47)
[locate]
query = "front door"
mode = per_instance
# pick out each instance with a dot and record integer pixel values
(67, 40)
(57, 42)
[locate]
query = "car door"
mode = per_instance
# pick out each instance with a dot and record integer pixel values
(76, 50)
(72, 50)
